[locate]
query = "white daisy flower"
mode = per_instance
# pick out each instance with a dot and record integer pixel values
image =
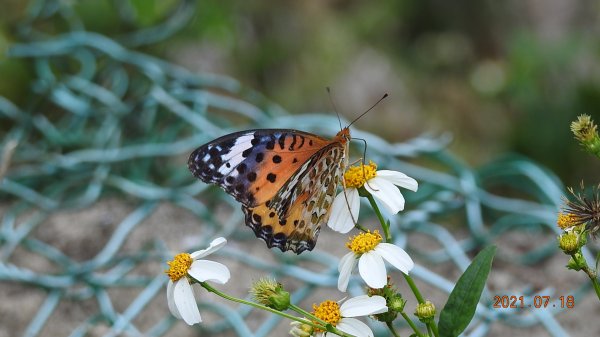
(180, 295)
(381, 184)
(341, 316)
(369, 252)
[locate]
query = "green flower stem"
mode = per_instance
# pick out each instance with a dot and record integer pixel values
(306, 314)
(596, 287)
(325, 326)
(384, 225)
(414, 288)
(581, 264)
(256, 305)
(391, 328)
(388, 237)
(411, 324)
(434, 327)
(593, 275)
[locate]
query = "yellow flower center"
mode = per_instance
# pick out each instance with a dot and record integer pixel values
(364, 242)
(328, 311)
(566, 220)
(179, 267)
(356, 176)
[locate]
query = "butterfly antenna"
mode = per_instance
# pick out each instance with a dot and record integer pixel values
(369, 109)
(334, 107)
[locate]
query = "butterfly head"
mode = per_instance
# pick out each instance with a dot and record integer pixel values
(343, 136)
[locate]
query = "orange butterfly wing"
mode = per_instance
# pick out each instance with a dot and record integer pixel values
(277, 175)
(292, 219)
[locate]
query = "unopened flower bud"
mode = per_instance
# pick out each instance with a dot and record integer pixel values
(393, 300)
(425, 312)
(397, 303)
(270, 293)
(586, 133)
(301, 329)
(569, 243)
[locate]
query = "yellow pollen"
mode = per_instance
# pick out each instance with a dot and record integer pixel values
(364, 242)
(328, 311)
(566, 220)
(356, 176)
(179, 267)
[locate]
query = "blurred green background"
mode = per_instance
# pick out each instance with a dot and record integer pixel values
(501, 77)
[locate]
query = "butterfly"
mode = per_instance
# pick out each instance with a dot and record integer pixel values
(285, 179)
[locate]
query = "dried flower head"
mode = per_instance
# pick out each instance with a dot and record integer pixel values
(584, 209)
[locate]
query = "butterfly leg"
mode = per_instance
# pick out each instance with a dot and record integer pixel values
(362, 160)
(355, 221)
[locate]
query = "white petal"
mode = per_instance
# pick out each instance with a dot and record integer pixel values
(363, 305)
(215, 245)
(354, 327)
(204, 270)
(396, 256)
(171, 299)
(399, 179)
(372, 269)
(387, 193)
(185, 302)
(341, 219)
(345, 268)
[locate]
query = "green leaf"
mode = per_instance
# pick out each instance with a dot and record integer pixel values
(463, 299)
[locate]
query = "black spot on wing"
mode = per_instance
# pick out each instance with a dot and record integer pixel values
(208, 164)
(282, 141)
(205, 161)
(277, 240)
(259, 157)
(213, 163)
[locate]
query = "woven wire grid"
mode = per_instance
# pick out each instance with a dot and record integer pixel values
(107, 122)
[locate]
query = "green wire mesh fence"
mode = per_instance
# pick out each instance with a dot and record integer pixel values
(106, 131)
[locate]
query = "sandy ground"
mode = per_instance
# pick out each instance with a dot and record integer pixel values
(82, 234)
